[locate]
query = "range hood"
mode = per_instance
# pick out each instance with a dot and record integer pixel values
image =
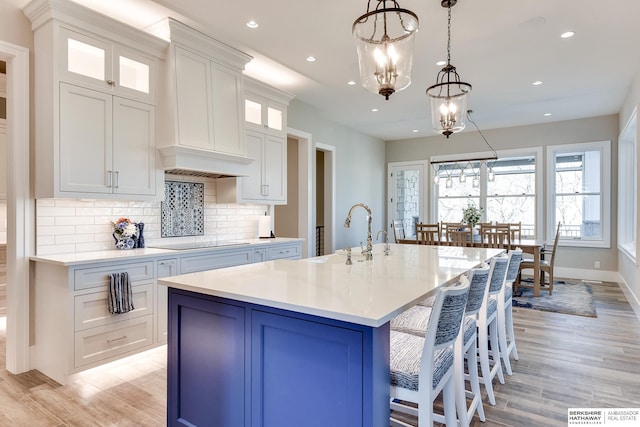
(180, 160)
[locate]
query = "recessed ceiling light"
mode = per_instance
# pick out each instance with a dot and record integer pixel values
(311, 59)
(351, 83)
(537, 83)
(547, 114)
(252, 24)
(567, 34)
(375, 110)
(441, 63)
(415, 131)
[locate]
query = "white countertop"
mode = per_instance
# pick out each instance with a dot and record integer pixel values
(79, 258)
(368, 292)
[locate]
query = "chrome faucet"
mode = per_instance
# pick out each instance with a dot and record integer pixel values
(368, 255)
(387, 248)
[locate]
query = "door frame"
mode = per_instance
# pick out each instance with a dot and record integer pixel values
(20, 207)
(306, 195)
(424, 191)
(330, 195)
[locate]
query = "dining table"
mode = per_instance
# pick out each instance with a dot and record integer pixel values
(530, 246)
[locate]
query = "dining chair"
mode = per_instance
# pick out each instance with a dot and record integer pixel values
(487, 324)
(546, 264)
(515, 229)
(496, 237)
(506, 334)
(445, 227)
(428, 234)
(398, 229)
(422, 368)
(414, 321)
(460, 237)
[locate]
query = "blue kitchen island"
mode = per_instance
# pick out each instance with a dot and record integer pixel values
(296, 343)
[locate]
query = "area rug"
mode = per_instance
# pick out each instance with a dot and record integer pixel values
(569, 297)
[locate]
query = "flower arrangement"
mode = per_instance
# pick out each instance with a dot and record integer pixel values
(471, 215)
(124, 227)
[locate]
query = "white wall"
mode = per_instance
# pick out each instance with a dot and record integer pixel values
(627, 268)
(71, 225)
(566, 132)
(360, 171)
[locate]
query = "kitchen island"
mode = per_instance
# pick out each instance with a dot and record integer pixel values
(293, 343)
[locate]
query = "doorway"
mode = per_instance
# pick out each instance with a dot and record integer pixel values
(325, 196)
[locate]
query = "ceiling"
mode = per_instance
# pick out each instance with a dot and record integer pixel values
(500, 47)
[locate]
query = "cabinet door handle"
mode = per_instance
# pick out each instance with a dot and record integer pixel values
(111, 82)
(117, 179)
(117, 339)
(109, 178)
(265, 189)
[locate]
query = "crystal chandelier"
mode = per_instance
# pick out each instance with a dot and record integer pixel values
(384, 40)
(449, 96)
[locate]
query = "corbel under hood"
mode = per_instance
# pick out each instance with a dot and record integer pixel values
(180, 160)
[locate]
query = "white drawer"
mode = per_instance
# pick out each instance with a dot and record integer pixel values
(288, 251)
(212, 261)
(103, 342)
(95, 277)
(92, 309)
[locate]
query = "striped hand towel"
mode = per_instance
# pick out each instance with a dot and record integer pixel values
(120, 294)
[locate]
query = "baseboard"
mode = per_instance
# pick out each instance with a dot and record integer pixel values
(582, 274)
(631, 297)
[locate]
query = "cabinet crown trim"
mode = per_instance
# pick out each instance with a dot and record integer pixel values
(39, 12)
(192, 39)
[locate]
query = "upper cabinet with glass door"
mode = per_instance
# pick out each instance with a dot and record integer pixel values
(264, 111)
(94, 62)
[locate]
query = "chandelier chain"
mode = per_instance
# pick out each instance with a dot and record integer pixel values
(449, 37)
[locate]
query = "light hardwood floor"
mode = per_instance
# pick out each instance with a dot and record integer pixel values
(565, 361)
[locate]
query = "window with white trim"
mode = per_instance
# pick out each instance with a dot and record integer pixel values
(507, 189)
(579, 188)
(628, 188)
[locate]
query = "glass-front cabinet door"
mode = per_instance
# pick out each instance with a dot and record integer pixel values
(96, 63)
(267, 116)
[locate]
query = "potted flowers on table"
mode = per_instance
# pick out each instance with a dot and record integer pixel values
(124, 233)
(471, 215)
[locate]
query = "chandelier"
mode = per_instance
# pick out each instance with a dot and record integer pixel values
(449, 96)
(384, 41)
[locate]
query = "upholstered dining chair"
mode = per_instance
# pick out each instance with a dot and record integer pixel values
(506, 334)
(428, 234)
(546, 264)
(487, 323)
(422, 368)
(414, 321)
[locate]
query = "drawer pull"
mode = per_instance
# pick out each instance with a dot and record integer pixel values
(116, 339)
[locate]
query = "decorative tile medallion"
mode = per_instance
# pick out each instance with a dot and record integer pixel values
(182, 209)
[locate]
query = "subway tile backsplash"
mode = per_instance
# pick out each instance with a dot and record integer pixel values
(72, 225)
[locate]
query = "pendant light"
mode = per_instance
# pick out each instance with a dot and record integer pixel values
(384, 41)
(449, 96)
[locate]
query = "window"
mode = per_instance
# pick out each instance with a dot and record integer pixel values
(628, 188)
(507, 188)
(579, 193)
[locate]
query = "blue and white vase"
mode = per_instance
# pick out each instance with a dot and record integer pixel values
(124, 242)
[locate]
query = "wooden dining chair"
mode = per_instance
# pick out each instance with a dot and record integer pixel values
(445, 227)
(497, 237)
(515, 229)
(428, 234)
(460, 237)
(546, 264)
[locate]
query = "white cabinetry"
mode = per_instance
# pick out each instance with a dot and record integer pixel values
(95, 105)
(203, 118)
(165, 267)
(266, 141)
(3, 159)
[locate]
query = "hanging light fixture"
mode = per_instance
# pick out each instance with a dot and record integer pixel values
(384, 40)
(449, 96)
